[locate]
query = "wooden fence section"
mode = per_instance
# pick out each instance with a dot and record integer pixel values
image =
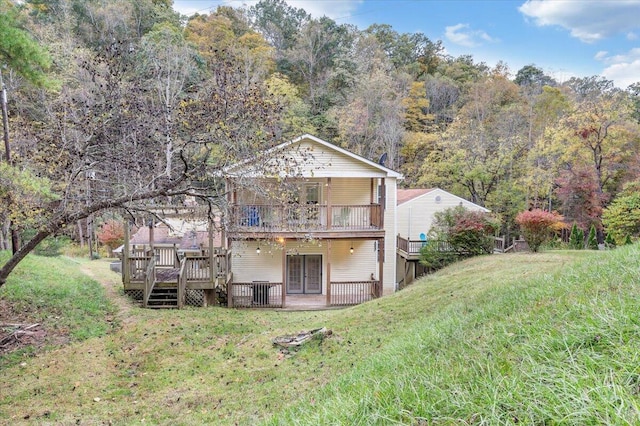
(305, 217)
(259, 294)
(346, 293)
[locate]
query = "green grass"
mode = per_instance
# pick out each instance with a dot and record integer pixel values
(54, 293)
(561, 348)
(547, 338)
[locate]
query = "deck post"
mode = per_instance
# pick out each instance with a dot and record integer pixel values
(228, 284)
(383, 202)
(284, 272)
(126, 268)
(176, 261)
(151, 231)
(213, 272)
(329, 273)
(380, 266)
(329, 203)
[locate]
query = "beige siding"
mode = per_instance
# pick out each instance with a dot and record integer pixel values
(353, 267)
(316, 160)
(351, 191)
(416, 216)
(249, 266)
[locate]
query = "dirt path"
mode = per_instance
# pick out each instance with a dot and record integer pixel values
(99, 271)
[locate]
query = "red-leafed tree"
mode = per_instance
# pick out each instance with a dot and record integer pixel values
(538, 226)
(111, 234)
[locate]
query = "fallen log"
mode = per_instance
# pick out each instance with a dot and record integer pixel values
(292, 340)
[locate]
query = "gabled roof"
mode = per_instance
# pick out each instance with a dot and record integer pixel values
(329, 146)
(406, 195)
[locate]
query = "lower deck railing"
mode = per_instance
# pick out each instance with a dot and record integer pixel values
(257, 294)
(347, 293)
(414, 247)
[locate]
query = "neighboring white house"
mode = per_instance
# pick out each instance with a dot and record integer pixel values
(331, 237)
(416, 210)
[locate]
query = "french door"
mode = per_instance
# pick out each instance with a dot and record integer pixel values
(304, 274)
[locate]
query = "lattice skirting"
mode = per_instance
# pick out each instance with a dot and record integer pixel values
(135, 294)
(194, 297)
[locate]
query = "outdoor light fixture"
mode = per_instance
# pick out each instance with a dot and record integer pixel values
(351, 249)
(258, 250)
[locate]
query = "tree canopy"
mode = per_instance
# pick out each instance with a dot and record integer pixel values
(148, 105)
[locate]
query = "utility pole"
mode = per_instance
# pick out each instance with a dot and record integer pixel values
(15, 241)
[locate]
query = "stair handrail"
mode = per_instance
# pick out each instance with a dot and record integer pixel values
(182, 282)
(149, 280)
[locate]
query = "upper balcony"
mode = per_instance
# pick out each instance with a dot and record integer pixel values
(305, 218)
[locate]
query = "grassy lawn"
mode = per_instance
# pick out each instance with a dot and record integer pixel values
(530, 338)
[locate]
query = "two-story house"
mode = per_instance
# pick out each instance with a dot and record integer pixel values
(313, 223)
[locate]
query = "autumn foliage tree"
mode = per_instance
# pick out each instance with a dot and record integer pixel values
(111, 234)
(621, 219)
(538, 226)
(108, 143)
(581, 198)
(458, 233)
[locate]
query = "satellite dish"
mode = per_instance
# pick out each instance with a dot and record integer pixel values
(383, 159)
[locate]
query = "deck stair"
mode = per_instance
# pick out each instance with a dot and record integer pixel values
(163, 298)
(161, 287)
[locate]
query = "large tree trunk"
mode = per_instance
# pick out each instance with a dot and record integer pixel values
(8, 267)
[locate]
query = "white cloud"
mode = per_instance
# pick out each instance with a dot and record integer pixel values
(623, 74)
(601, 55)
(622, 69)
(588, 21)
(463, 35)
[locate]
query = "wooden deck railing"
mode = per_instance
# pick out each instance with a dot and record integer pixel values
(413, 247)
(222, 263)
(196, 268)
(149, 281)
(347, 293)
(305, 217)
(166, 256)
(138, 267)
(259, 294)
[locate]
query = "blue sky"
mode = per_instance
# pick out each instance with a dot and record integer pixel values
(565, 38)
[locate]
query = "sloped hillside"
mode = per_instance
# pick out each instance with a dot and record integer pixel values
(529, 338)
(518, 342)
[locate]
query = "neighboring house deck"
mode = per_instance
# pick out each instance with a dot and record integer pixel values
(416, 212)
